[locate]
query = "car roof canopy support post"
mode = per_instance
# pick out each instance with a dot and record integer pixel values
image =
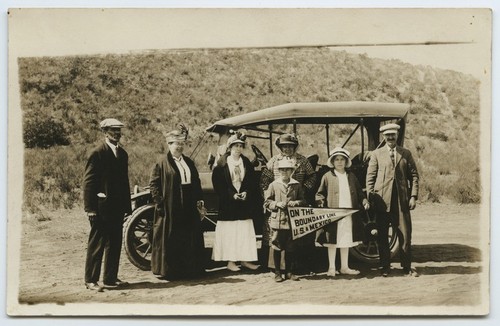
(327, 128)
(271, 138)
(350, 136)
(194, 153)
(362, 124)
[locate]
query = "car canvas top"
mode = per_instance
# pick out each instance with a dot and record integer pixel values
(313, 113)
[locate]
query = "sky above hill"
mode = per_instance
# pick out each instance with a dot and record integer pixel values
(49, 32)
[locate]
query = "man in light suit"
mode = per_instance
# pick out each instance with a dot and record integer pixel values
(106, 193)
(392, 185)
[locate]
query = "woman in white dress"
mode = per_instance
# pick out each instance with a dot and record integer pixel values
(341, 189)
(235, 183)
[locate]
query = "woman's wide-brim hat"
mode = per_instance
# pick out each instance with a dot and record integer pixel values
(237, 138)
(342, 152)
(177, 135)
(287, 139)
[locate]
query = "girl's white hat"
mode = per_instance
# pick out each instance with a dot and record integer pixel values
(286, 163)
(342, 152)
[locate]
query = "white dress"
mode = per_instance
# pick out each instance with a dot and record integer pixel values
(344, 226)
(235, 240)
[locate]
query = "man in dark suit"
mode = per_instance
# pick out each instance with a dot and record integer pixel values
(106, 193)
(392, 184)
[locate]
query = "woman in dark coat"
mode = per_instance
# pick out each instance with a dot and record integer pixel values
(341, 189)
(235, 184)
(177, 243)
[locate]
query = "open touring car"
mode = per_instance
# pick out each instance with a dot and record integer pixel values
(319, 127)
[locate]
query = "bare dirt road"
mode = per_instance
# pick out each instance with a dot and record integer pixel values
(446, 238)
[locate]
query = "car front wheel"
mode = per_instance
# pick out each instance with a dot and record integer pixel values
(137, 233)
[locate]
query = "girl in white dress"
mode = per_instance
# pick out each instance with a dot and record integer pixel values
(335, 192)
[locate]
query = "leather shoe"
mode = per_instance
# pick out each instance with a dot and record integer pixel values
(232, 267)
(409, 272)
(278, 278)
(94, 287)
(385, 272)
(116, 283)
(332, 272)
(292, 277)
(250, 266)
(349, 271)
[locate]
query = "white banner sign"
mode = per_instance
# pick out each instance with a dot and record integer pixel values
(304, 220)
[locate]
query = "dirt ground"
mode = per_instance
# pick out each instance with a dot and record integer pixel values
(446, 240)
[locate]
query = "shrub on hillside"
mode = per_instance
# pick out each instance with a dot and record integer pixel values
(439, 135)
(53, 177)
(467, 190)
(44, 132)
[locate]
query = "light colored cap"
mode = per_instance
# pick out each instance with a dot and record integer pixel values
(111, 123)
(390, 128)
(342, 152)
(286, 163)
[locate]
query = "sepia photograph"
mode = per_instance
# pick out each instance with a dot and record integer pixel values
(249, 162)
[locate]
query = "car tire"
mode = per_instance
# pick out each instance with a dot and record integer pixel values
(367, 252)
(137, 237)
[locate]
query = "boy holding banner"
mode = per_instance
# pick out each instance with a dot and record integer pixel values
(282, 193)
(341, 189)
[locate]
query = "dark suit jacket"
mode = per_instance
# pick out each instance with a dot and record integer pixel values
(231, 209)
(106, 188)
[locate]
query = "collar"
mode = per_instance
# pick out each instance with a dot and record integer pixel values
(281, 156)
(232, 161)
(180, 159)
(112, 146)
(291, 182)
(389, 149)
(335, 172)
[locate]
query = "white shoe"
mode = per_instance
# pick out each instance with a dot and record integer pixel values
(249, 265)
(331, 272)
(232, 267)
(348, 271)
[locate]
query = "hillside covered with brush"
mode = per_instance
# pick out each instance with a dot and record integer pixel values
(68, 96)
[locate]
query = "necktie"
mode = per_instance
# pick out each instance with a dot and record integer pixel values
(237, 172)
(116, 152)
(184, 174)
(392, 157)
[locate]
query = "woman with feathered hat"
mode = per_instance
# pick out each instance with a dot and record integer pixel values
(177, 243)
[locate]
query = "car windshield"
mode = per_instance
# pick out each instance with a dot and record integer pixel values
(319, 127)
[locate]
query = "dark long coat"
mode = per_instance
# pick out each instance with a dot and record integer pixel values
(229, 208)
(177, 244)
(328, 191)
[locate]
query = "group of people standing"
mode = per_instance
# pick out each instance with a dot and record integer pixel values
(288, 180)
